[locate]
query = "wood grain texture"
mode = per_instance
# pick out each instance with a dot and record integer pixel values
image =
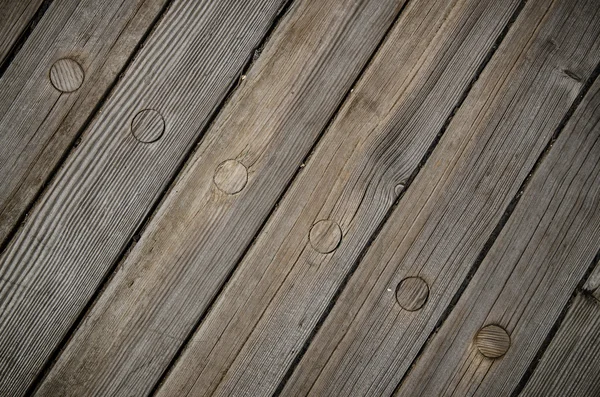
(269, 308)
(441, 224)
(592, 284)
(15, 15)
(570, 365)
(107, 186)
(38, 119)
(222, 197)
(530, 272)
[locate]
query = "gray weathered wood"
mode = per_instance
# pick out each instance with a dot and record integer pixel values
(105, 189)
(222, 198)
(368, 341)
(38, 122)
(570, 366)
(531, 270)
(15, 15)
(267, 311)
(592, 284)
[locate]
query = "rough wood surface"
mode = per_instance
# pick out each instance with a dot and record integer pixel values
(570, 366)
(441, 224)
(106, 187)
(267, 311)
(15, 15)
(222, 198)
(531, 270)
(592, 284)
(53, 86)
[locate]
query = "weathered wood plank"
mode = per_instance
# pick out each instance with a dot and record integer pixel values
(267, 311)
(441, 225)
(15, 15)
(570, 366)
(38, 122)
(201, 231)
(529, 273)
(106, 187)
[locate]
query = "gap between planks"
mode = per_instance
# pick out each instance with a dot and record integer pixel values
(17, 21)
(306, 159)
(529, 274)
(362, 26)
(41, 124)
(494, 235)
(225, 322)
(377, 336)
(569, 366)
(40, 378)
(109, 161)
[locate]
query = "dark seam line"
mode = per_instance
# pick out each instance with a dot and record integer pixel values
(409, 182)
(540, 353)
(406, 186)
(253, 57)
(281, 197)
(25, 33)
(49, 364)
(500, 225)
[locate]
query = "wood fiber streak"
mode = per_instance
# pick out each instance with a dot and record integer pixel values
(38, 123)
(108, 184)
(221, 198)
(570, 365)
(441, 224)
(268, 310)
(14, 18)
(531, 270)
(592, 284)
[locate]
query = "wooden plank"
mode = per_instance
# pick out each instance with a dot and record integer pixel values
(127, 156)
(200, 232)
(570, 365)
(368, 341)
(267, 311)
(38, 122)
(530, 272)
(15, 15)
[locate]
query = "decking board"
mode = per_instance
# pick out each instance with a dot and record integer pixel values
(441, 225)
(530, 272)
(106, 187)
(258, 325)
(15, 16)
(299, 197)
(570, 365)
(38, 123)
(207, 221)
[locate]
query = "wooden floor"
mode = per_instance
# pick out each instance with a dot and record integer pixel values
(300, 197)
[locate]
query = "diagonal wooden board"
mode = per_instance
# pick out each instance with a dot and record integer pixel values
(107, 186)
(210, 217)
(531, 270)
(441, 225)
(570, 365)
(258, 325)
(38, 122)
(15, 15)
